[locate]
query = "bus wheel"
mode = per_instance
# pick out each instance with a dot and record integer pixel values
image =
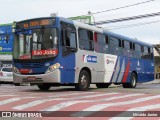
(133, 82)
(83, 82)
(103, 85)
(44, 87)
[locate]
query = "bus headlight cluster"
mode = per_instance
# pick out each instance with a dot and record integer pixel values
(16, 70)
(53, 68)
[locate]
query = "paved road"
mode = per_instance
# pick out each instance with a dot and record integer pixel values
(145, 97)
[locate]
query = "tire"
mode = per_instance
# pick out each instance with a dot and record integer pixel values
(103, 85)
(133, 82)
(44, 87)
(17, 84)
(83, 81)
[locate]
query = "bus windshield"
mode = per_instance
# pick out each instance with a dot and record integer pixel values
(36, 43)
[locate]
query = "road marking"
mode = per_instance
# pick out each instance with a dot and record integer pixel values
(37, 102)
(9, 101)
(118, 97)
(69, 103)
(7, 95)
(68, 94)
(99, 107)
(88, 96)
(138, 110)
(31, 104)
(63, 105)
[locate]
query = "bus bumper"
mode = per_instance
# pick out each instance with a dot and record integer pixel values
(52, 77)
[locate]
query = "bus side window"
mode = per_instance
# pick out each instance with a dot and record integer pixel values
(68, 39)
(101, 44)
(127, 48)
(114, 45)
(85, 39)
(137, 51)
(146, 53)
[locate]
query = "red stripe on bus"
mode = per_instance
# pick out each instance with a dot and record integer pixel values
(126, 72)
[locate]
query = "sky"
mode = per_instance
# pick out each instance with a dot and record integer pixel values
(17, 10)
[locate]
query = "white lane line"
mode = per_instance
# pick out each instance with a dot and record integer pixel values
(137, 110)
(88, 96)
(118, 97)
(99, 107)
(7, 95)
(30, 104)
(69, 103)
(96, 95)
(9, 101)
(37, 102)
(63, 105)
(69, 94)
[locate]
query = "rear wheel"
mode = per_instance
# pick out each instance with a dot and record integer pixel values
(133, 82)
(17, 84)
(83, 82)
(44, 87)
(103, 85)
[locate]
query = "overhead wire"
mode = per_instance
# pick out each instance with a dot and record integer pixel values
(124, 6)
(132, 25)
(127, 18)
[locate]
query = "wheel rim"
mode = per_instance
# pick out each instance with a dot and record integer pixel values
(134, 81)
(83, 81)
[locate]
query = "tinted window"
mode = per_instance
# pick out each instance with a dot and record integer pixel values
(101, 39)
(137, 47)
(85, 39)
(101, 44)
(137, 51)
(114, 46)
(147, 53)
(68, 39)
(127, 48)
(126, 45)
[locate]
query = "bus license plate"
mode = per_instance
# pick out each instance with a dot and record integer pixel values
(31, 78)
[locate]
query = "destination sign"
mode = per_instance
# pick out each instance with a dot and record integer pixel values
(35, 23)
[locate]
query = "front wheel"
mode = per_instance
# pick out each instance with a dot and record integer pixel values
(83, 82)
(44, 87)
(133, 82)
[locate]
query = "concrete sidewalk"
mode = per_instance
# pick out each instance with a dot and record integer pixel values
(155, 81)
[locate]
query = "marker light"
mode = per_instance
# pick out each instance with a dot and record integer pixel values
(53, 68)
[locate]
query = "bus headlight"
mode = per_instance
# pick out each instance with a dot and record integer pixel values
(53, 68)
(16, 70)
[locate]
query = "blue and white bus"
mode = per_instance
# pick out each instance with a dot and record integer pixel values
(55, 51)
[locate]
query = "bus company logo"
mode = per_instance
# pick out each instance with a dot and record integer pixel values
(109, 61)
(90, 58)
